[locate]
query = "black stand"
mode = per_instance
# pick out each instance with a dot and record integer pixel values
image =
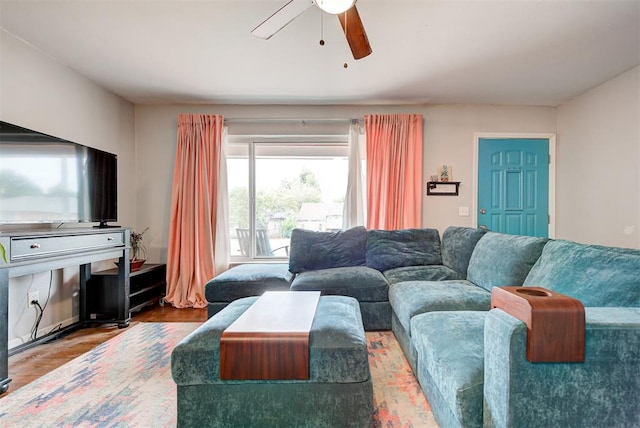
(37, 251)
(104, 225)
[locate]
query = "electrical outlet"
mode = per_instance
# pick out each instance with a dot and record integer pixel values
(33, 295)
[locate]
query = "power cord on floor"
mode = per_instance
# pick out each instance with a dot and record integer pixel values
(40, 310)
(56, 328)
(34, 330)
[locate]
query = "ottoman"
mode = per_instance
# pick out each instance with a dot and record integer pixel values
(245, 281)
(338, 393)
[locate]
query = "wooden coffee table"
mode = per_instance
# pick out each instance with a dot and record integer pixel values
(270, 340)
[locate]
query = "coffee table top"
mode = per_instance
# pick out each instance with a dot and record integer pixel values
(270, 340)
(278, 312)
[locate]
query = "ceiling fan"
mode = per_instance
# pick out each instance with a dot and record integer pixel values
(345, 10)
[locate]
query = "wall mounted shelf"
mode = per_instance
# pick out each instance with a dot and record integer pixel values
(443, 188)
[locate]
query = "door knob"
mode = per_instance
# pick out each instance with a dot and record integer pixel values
(483, 211)
(482, 226)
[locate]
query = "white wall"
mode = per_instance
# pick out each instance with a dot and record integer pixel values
(448, 139)
(449, 135)
(37, 92)
(598, 187)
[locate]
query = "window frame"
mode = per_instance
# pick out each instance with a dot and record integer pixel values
(320, 146)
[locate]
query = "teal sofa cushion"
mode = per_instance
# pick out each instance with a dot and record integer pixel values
(388, 249)
(416, 297)
(501, 260)
(322, 250)
(593, 274)
(248, 280)
(457, 246)
(360, 282)
(450, 349)
(421, 273)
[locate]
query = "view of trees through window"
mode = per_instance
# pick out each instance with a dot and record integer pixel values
(297, 190)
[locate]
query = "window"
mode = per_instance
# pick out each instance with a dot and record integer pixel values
(276, 185)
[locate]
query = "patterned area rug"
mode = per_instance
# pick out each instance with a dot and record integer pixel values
(126, 382)
(398, 399)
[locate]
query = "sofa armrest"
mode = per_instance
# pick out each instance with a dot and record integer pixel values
(602, 391)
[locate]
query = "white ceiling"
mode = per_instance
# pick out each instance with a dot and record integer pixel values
(433, 51)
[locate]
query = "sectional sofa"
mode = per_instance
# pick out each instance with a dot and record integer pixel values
(470, 361)
(356, 262)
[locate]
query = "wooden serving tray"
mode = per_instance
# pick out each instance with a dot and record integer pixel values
(555, 322)
(270, 340)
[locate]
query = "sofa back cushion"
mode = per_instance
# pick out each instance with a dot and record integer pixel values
(388, 249)
(593, 274)
(311, 250)
(457, 246)
(500, 259)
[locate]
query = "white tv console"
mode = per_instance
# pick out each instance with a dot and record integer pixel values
(41, 251)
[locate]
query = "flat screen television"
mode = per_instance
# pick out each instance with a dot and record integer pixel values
(45, 179)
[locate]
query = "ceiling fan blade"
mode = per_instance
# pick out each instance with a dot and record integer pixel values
(354, 30)
(281, 18)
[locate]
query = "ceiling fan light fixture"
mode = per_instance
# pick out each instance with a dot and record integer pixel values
(335, 7)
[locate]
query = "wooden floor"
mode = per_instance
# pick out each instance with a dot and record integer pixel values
(29, 365)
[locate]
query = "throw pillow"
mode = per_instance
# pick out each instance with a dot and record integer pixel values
(388, 249)
(311, 250)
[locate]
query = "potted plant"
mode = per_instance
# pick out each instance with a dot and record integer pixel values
(138, 250)
(3, 254)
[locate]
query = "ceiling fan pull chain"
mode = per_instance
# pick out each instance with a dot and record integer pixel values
(321, 27)
(345, 65)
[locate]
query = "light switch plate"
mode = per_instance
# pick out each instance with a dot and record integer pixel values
(463, 211)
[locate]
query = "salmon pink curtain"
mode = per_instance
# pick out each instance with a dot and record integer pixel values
(192, 233)
(394, 171)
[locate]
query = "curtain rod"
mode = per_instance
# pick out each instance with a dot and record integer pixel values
(291, 120)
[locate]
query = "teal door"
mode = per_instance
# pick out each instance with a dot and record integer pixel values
(513, 185)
